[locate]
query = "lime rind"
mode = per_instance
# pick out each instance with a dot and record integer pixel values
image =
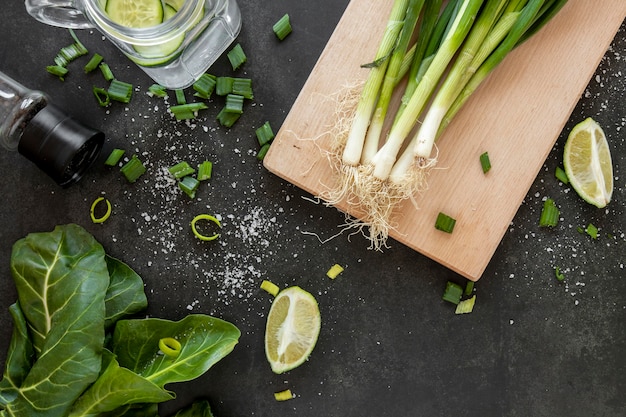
(587, 163)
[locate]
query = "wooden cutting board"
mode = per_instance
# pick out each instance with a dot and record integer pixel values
(516, 115)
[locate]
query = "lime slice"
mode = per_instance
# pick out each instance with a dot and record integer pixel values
(587, 163)
(135, 13)
(292, 329)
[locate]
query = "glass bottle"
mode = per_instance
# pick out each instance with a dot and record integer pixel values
(58, 144)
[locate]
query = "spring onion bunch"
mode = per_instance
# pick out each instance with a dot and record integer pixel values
(434, 55)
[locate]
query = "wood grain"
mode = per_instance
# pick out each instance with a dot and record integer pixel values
(516, 115)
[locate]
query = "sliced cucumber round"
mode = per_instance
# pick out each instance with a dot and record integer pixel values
(164, 49)
(135, 13)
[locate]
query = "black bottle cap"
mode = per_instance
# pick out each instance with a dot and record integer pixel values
(60, 145)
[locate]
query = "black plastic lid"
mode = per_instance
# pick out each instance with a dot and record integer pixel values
(60, 145)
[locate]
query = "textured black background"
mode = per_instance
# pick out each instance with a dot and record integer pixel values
(389, 345)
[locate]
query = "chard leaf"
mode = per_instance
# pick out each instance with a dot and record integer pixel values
(197, 409)
(61, 279)
(125, 294)
(116, 387)
(19, 359)
(204, 341)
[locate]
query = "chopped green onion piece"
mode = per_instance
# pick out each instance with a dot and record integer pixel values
(592, 231)
(93, 63)
(236, 56)
(227, 118)
(57, 70)
(549, 214)
(120, 91)
(102, 96)
(106, 71)
(205, 85)
(469, 287)
(180, 96)
(224, 85)
(465, 306)
(234, 103)
(453, 292)
(189, 185)
(264, 134)
(445, 223)
(283, 395)
(114, 157)
(559, 275)
(170, 347)
(263, 151)
(181, 169)
(560, 175)
(205, 217)
(282, 27)
(242, 87)
(69, 53)
(92, 211)
(334, 271)
(485, 163)
(157, 90)
(205, 169)
(270, 287)
(187, 111)
(133, 169)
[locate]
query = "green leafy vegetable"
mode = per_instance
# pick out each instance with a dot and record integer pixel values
(74, 350)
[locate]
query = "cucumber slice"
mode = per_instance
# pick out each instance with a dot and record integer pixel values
(135, 13)
(176, 4)
(163, 50)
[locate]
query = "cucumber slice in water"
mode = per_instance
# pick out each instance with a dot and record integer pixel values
(176, 4)
(135, 13)
(165, 49)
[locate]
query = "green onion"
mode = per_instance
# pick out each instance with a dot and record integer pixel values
(469, 288)
(592, 231)
(224, 85)
(334, 271)
(157, 90)
(57, 70)
(106, 71)
(270, 287)
(264, 134)
(69, 53)
(180, 96)
(170, 347)
(242, 87)
(549, 214)
(187, 111)
(209, 218)
(102, 96)
(114, 157)
(560, 175)
(226, 118)
(93, 63)
(453, 292)
(283, 395)
(204, 86)
(282, 27)
(263, 151)
(445, 223)
(558, 274)
(485, 163)
(120, 91)
(133, 169)
(92, 211)
(189, 185)
(465, 306)
(205, 170)
(234, 103)
(181, 169)
(236, 56)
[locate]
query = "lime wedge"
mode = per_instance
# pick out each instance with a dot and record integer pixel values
(587, 163)
(293, 326)
(135, 13)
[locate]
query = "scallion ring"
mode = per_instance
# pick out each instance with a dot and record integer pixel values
(170, 347)
(205, 217)
(92, 211)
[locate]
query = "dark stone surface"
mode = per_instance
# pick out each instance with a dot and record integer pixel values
(389, 345)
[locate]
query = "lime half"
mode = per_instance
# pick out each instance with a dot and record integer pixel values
(293, 326)
(135, 13)
(587, 163)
